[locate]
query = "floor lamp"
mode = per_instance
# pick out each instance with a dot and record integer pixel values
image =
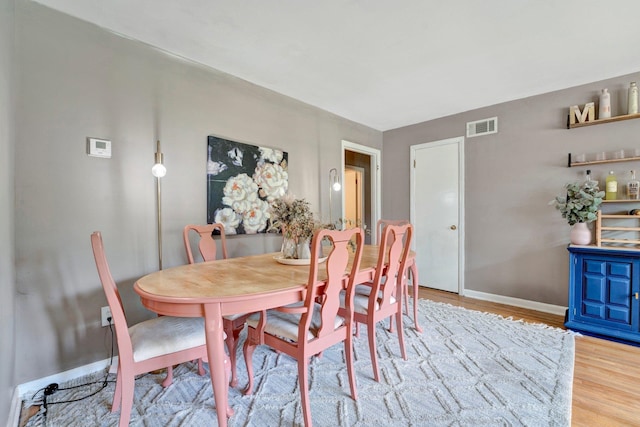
(158, 170)
(334, 185)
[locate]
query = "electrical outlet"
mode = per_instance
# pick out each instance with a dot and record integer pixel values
(105, 313)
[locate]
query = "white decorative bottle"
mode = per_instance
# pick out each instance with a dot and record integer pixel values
(604, 111)
(632, 99)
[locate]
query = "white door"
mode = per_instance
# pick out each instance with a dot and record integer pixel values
(436, 212)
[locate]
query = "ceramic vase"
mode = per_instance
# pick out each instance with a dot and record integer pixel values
(289, 248)
(580, 234)
(294, 249)
(304, 249)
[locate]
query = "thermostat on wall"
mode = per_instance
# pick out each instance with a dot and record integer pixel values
(99, 147)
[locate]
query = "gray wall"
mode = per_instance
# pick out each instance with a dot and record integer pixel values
(77, 80)
(515, 242)
(7, 276)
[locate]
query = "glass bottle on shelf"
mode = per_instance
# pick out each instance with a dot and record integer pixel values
(604, 109)
(633, 187)
(611, 186)
(632, 99)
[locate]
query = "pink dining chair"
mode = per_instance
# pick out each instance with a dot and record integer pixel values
(411, 267)
(306, 329)
(378, 300)
(234, 323)
(147, 346)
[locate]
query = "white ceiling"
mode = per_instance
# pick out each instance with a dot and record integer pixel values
(383, 63)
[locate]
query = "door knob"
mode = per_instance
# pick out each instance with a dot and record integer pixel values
(453, 227)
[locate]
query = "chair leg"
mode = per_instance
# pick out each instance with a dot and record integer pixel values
(248, 356)
(403, 350)
(169, 378)
(232, 345)
(201, 371)
(414, 285)
(117, 394)
(128, 383)
(371, 332)
(348, 350)
(227, 373)
(303, 378)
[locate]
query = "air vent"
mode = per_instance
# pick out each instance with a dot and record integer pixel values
(482, 127)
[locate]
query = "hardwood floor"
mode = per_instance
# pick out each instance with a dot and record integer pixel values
(606, 378)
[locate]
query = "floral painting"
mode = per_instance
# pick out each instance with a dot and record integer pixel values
(242, 182)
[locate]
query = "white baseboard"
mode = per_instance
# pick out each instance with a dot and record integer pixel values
(26, 390)
(517, 302)
(35, 385)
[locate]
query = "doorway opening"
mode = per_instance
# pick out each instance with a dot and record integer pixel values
(361, 188)
(354, 207)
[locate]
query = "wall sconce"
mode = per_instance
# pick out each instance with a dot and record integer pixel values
(159, 170)
(334, 185)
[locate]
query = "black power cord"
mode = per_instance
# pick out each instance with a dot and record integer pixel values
(54, 387)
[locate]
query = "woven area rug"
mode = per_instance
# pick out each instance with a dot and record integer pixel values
(468, 368)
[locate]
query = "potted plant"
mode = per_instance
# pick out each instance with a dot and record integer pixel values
(579, 207)
(294, 218)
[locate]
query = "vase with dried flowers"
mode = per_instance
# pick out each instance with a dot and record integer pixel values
(294, 218)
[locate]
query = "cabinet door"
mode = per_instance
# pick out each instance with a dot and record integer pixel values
(606, 291)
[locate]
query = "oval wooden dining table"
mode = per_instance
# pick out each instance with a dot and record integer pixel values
(235, 285)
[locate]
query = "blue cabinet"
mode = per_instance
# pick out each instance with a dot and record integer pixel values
(604, 289)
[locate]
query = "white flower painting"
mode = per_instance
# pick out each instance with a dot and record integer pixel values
(242, 181)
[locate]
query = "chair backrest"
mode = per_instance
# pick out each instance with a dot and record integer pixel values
(326, 290)
(206, 243)
(383, 223)
(395, 247)
(113, 296)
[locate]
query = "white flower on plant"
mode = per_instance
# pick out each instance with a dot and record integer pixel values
(272, 179)
(270, 155)
(255, 219)
(229, 218)
(240, 192)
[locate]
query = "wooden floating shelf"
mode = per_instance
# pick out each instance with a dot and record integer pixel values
(622, 201)
(599, 162)
(603, 121)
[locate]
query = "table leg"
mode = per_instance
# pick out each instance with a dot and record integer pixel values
(414, 285)
(215, 352)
